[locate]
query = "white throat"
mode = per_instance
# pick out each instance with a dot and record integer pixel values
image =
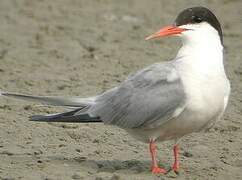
(202, 48)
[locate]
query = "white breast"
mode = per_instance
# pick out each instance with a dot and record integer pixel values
(202, 71)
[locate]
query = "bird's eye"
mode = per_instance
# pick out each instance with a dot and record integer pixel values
(196, 19)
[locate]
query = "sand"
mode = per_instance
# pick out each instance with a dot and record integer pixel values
(80, 48)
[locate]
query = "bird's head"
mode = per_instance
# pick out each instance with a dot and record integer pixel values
(192, 23)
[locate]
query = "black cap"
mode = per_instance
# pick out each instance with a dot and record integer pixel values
(196, 15)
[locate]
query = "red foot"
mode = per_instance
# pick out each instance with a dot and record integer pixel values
(157, 170)
(175, 168)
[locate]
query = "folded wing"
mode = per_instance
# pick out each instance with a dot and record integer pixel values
(146, 99)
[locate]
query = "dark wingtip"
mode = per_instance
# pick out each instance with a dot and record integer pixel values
(82, 118)
(39, 118)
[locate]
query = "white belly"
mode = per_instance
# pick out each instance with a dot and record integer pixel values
(204, 106)
(187, 122)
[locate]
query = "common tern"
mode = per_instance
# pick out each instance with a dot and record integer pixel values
(163, 101)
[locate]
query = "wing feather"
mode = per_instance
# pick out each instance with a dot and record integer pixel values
(146, 99)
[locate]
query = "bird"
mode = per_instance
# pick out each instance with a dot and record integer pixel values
(166, 100)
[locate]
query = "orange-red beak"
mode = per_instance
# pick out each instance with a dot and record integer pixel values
(166, 31)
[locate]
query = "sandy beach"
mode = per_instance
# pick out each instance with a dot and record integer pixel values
(82, 48)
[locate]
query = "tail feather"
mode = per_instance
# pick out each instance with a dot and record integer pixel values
(52, 100)
(69, 117)
(78, 115)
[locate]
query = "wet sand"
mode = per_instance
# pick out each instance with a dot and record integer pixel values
(80, 48)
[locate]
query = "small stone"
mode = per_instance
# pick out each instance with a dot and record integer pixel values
(27, 107)
(7, 153)
(80, 159)
(48, 178)
(39, 161)
(69, 126)
(187, 154)
(78, 150)
(62, 145)
(97, 152)
(38, 152)
(90, 48)
(95, 141)
(77, 176)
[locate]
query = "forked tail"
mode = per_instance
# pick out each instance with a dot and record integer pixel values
(78, 115)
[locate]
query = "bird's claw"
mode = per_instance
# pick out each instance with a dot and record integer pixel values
(175, 168)
(176, 171)
(157, 170)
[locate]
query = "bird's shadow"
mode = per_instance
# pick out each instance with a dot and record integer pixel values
(133, 166)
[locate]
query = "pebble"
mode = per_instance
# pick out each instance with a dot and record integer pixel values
(80, 159)
(77, 176)
(187, 154)
(7, 153)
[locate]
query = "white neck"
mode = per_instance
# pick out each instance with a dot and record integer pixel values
(202, 48)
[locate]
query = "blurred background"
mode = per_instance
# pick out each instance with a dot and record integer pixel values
(81, 48)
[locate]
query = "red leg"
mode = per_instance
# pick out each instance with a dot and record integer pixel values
(155, 169)
(176, 161)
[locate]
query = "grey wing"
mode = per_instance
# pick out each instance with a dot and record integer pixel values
(146, 99)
